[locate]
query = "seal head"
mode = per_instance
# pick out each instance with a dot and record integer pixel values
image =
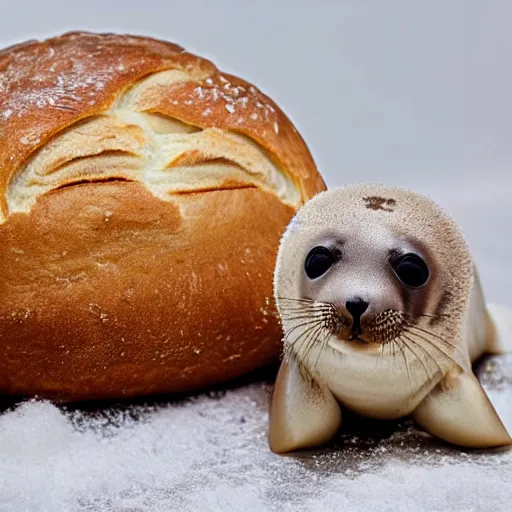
(382, 257)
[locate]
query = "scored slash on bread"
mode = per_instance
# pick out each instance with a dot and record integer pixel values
(87, 95)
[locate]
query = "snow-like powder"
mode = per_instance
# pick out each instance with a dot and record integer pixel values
(209, 453)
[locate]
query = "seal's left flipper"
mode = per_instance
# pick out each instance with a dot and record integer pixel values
(459, 411)
(501, 318)
(303, 414)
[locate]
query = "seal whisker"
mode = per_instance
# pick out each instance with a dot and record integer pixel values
(312, 342)
(393, 347)
(310, 326)
(296, 299)
(438, 337)
(299, 342)
(425, 351)
(306, 305)
(308, 347)
(303, 301)
(298, 326)
(323, 344)
(293, 329)
(430, 342)
(289, 346)
(303, 351)
(304, 313)
(397, 341)
(436, 317)
(296, 316)
(391, 354)
(302, 348)
(305, 310)
(461, 360)
(302, 319)
(418, 358)
(381, 355)
(439, 349)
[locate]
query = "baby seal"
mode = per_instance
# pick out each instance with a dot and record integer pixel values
(383, 313)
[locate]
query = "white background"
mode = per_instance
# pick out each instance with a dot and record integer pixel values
(404, 92)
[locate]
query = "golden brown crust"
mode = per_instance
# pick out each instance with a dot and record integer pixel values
(145, 300)
(137, 251)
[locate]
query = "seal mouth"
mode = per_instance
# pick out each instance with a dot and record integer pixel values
(353, 335)
(356, 329)
(377, 330)
(352, 332)
(357, 338)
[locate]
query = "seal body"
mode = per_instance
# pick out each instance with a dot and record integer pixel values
(382, 313)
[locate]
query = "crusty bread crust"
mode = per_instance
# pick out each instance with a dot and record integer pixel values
(143, 195)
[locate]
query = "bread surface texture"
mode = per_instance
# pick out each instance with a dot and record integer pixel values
(143, 194)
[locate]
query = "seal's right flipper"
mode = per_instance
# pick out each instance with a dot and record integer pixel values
(303, 413)
(501, 317)
(459, 411)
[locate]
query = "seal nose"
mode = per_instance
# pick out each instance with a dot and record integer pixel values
(356, 307)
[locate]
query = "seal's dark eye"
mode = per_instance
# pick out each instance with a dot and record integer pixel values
(411, 270)
(319, 261)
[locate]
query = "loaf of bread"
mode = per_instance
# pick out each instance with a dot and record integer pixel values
(143, 194)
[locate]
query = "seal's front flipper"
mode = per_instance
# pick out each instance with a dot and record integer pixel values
(303, 413)
(501, 319)
(459, 412)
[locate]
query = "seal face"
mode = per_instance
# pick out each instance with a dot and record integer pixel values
(383, 313)
(375, 309)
